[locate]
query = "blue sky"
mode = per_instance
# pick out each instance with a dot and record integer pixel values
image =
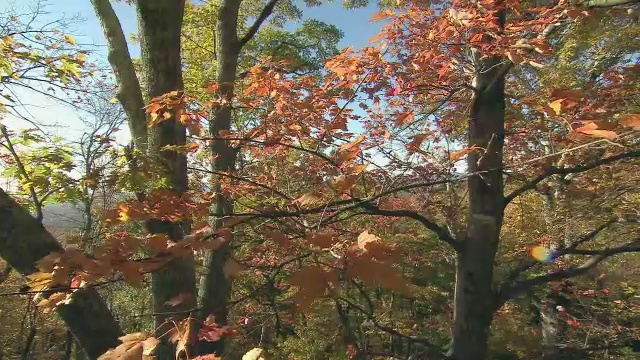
(354, 23)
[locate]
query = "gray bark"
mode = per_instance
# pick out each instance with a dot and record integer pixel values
(160, 24)
(214, 286)
(474, 301)
(129, 93)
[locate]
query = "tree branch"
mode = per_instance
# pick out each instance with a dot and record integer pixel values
(129, 92)
(264, 14)
(599, 256)
(568, 170)
(526, 265)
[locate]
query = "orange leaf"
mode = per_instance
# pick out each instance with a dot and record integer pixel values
(343, 183)
(351, 144)
(631, 121)
(309, 199)
(381, 15)
(457, 155)
(607, 134)
(149, 345)
(515, 57)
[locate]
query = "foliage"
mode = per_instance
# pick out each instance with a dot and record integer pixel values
(353, 217)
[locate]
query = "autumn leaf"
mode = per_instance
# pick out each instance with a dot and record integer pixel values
(323, 240)
(594, 129)
(352, 144)
(70, 40)
(382, 15)
(132, 348)
(309, 199)
(279, 238)
(556, 106)
(343, 183)
(631, 121)
(313, 283)
(149, 345)
(253, 354)
(457, 155)
(574, 95)
(515, 57)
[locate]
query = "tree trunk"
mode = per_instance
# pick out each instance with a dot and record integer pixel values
(214, 286)
(23, 242)
(160, 24)
(475, 299)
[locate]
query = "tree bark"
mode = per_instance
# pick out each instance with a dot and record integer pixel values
(23, 242)
(475, 299)
(214, 286)
(129, 92)
(160, 24)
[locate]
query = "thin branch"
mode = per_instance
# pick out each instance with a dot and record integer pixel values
(266, 11)
(524, 285)
(516, 272)
(568, 170)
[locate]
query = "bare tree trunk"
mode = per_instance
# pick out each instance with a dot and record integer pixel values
(214, 286)
(160, 24)
(475, 299)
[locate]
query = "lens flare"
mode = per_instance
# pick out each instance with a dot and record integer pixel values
(542, 253)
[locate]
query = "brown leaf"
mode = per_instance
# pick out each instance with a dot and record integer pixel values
(232, 269)
(574, 95)
(149, 345)
(323, 240)
(515, 57)
(313, 283)
(607, 134)
(309, 199)
(279, 238)
(343, 183)
(130, 349)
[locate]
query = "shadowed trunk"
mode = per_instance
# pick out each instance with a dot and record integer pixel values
(475, 299)
(214, 285)
(160, 24)
(23, 242)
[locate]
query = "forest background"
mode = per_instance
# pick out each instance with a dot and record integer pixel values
(223, 179)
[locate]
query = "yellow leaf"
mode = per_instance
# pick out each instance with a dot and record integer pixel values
(70, 40)
(149, 345)
(556, 106)
(253, 354)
